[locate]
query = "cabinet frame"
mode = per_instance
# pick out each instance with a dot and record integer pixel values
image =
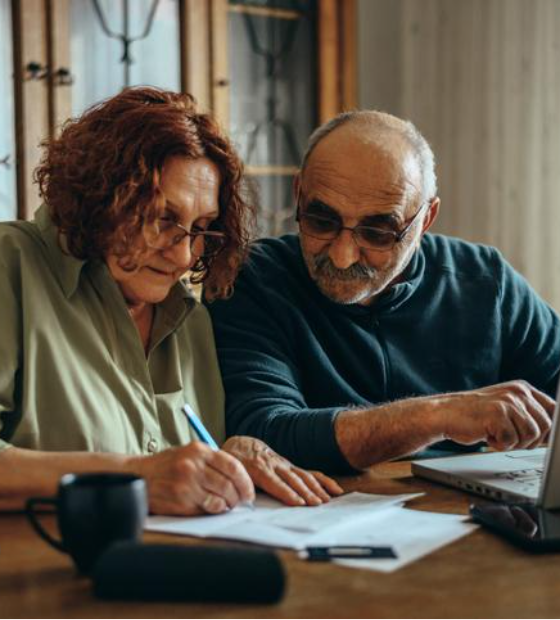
(41, 35)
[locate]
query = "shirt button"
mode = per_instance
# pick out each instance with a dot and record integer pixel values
(152, 446)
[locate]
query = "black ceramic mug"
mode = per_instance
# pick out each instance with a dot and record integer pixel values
(93, 512)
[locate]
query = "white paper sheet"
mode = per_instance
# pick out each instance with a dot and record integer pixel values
(277, 525)
(412, 534)
(354, 519)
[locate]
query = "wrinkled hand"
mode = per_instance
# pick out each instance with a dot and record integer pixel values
(193, 479)
(278, 477)
(507, 416)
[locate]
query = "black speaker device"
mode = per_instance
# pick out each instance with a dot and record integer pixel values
(135, 571)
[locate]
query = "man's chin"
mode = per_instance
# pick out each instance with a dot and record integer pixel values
(345, 295)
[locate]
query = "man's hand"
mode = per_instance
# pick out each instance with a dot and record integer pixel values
(278, 477)
(193, 479)
(507, 416)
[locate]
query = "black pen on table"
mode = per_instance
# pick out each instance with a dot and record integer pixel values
(202, 433)
(347, 552)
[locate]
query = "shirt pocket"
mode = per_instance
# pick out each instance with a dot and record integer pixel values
(166, 371)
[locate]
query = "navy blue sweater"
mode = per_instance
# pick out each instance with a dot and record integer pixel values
(291, 359)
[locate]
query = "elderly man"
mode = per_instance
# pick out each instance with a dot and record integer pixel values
(364, 338)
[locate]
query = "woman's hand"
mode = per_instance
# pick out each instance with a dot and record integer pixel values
(193, 479)
(278, 477)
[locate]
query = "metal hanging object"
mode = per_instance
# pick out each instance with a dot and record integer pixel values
(274, 51)
(124, 37)
(272, 59)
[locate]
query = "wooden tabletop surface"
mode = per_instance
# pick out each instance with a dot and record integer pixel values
(477, 576)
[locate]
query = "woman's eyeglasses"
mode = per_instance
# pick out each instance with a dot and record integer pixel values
(164, 233)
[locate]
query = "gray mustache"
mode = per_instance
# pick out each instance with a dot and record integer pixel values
(324, 266)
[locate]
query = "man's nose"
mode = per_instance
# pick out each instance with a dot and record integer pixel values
(343, 251)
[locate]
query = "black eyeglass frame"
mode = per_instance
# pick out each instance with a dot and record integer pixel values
(204, 234)
(397, 236)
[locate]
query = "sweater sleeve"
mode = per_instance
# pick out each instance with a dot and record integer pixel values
(530, 333)
(257, 356)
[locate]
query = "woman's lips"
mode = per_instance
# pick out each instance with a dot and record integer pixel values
(162, 272)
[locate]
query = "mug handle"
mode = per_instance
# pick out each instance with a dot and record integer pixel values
(32, 516)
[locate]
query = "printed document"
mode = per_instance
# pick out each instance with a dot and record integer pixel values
(352, 519)
(274, 524)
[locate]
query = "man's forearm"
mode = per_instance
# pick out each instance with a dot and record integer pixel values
(385, 432)
(506, 416)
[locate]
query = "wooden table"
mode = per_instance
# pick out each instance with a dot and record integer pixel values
(477, 576)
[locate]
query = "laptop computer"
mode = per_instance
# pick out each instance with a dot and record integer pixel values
(516, 476)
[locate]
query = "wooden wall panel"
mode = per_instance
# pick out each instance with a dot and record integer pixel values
(60, 102)
(32, 117)
(348, 51)
(219, 61)
(329, 60)
(196, 51)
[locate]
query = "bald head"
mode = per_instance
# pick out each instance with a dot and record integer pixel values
(368, 135)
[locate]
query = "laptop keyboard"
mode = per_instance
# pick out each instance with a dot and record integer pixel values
(537, 459)
(527, 477)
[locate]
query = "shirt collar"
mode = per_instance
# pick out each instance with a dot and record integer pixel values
(177, 304)
(66, 267)
(403, 290)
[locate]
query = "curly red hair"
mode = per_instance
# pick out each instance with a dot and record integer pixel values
(101, 178)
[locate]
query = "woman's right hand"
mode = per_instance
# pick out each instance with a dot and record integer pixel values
(192, 480)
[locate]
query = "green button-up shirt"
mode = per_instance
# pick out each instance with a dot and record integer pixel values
(73, 372)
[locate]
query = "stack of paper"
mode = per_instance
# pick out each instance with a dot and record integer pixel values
(353, 519)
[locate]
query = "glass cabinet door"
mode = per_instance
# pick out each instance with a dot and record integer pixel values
(269, 70)
(117, 43)
(272, 97)
(8, 199)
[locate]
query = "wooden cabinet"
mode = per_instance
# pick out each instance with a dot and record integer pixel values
(270, 70)
(70, 54)
(280, 69)
(8, 185)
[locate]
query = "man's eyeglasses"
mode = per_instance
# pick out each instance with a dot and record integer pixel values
(164, 233)
(366, 238)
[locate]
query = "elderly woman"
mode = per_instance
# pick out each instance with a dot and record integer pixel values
(101, 340)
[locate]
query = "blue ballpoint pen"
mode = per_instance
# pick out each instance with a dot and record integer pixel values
(199, 428)
(204, 436)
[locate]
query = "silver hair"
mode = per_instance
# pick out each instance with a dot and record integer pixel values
(382, 123)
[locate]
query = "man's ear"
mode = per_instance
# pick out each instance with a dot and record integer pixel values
(296, 186)
(432, 214)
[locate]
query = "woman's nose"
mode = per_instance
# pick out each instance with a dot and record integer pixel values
(181, 254)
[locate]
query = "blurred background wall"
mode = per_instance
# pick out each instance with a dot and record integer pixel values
(481, 80)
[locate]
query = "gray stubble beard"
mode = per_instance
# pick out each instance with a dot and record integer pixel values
(321, 268)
